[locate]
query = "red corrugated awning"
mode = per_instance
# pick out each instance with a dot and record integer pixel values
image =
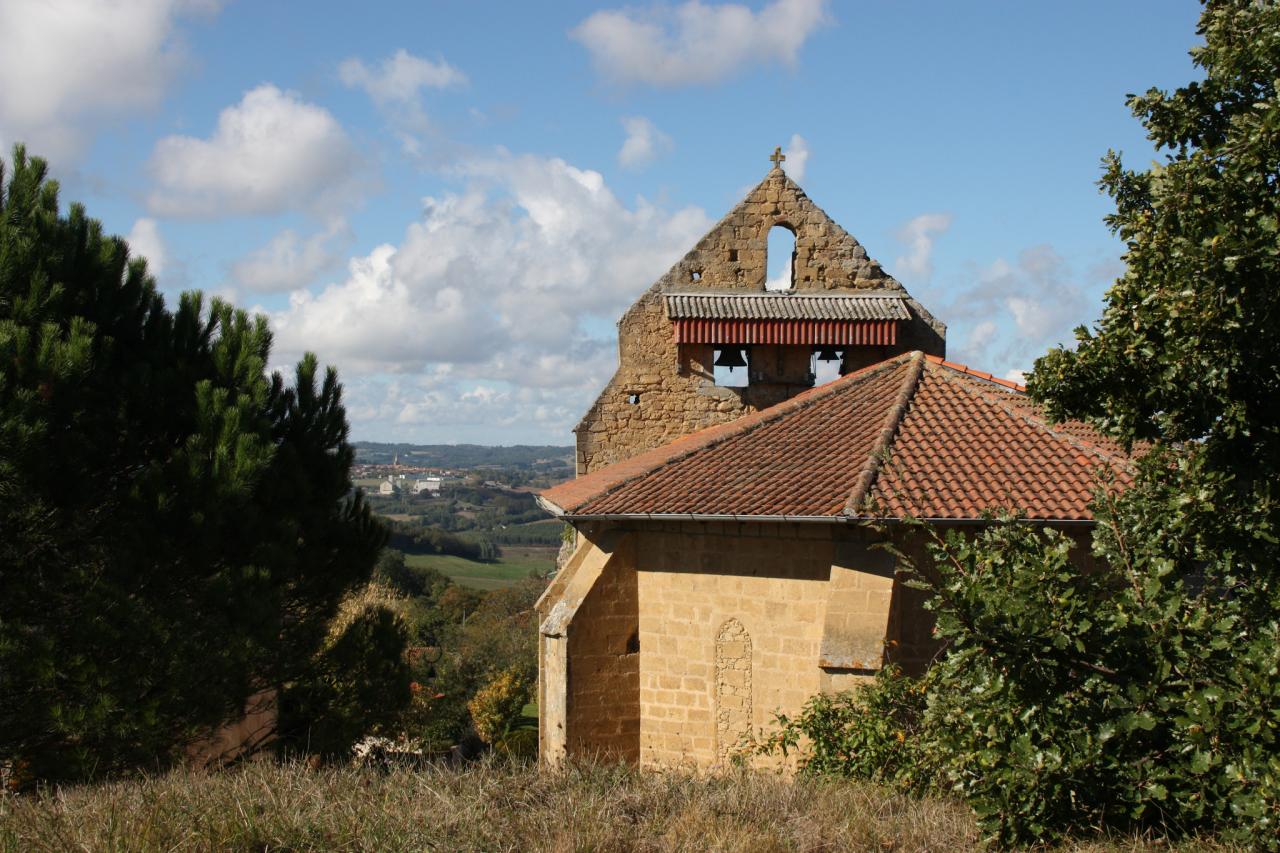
(693, 330)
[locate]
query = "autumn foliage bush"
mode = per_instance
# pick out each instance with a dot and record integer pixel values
(497, 713)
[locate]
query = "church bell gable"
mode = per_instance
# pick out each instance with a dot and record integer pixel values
(710, 341)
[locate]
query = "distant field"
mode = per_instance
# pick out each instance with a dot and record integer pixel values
(516, 564)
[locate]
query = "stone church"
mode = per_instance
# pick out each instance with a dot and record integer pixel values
(726, 566)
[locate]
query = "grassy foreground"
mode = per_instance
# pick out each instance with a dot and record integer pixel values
(487, 806)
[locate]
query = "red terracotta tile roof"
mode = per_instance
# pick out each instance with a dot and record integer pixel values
(981, 374)
(965, 446)
(913, 435)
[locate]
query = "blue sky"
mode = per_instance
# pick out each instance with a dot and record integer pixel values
(453, 202)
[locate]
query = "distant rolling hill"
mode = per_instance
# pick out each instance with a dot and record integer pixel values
(460, 455)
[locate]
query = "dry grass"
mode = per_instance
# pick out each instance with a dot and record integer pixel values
(488, 806)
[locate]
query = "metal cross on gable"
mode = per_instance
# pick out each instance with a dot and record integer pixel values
(777, 157)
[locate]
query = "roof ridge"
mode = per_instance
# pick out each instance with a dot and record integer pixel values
(892, 420)
(858, 293)
(980, 374)
(1043, 423)
(747, 423)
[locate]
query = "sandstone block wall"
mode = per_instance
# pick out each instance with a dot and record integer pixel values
(694, 634)
(731, 619)
(676, 389)
(604, 670)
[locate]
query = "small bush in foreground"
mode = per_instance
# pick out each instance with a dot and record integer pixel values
(873, 733)
(496, 713)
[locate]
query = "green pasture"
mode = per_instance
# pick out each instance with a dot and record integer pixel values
(504, 572)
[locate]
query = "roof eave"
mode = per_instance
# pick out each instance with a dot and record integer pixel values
(550, 506)
(701, 516)
(1063, 522)
(573, 518)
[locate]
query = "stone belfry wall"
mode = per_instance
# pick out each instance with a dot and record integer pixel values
(662, 391)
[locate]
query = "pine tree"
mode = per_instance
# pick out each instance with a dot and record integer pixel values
(178, 527)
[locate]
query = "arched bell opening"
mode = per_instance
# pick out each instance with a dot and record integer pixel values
(731, 366)
(780, 258)
(827, 364)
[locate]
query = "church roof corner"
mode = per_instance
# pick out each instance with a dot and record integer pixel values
(913, 436)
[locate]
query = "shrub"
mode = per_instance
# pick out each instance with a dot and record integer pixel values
(497, 709)
(1139, 696)
(358, 685)
(872, 733)
(1135, 698)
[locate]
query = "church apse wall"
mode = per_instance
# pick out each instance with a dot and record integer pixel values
(696, 633)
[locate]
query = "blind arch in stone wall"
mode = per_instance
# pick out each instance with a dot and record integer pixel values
(733, 686)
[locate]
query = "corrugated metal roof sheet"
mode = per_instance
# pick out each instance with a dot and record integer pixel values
(873, 305)
(812, 332)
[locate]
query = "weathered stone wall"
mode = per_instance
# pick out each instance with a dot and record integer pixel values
(676, 389)
(588, 665)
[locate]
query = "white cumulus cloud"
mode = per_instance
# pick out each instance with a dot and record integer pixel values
(67, 66)
(1015, 311)
(644, 143)
(919, 235)
(506, 283)
(696, 42)
(269, 153)
(290, 261)
(399, 77)
(797, 157)
(144, 241)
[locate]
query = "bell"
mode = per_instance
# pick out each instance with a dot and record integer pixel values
(828, 354)
(730, 358)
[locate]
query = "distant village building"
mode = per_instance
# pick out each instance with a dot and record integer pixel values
(388, 487)
(724, 570)
(431, 485)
